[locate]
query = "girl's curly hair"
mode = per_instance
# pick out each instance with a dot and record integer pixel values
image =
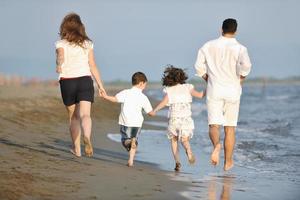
(173, 76)
(73, 30)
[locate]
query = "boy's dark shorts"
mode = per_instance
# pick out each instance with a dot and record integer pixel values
(74, 90)
(127, 133)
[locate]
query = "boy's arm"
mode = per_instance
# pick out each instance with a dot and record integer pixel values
(110, 98)
(197, 94)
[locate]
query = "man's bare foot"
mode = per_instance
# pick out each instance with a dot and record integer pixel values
(215, 156)
(133, 143)
(228, 165)
(88, 148)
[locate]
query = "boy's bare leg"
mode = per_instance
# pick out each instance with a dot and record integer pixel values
(86, 124)
(75, 130)
(214, 136)
(174, 146)
(131, 157)
(229, 142)
(186, 144)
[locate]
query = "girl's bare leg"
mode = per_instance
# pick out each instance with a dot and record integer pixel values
(86, 124)
(174, 146)
(74, 127)
(186, 144)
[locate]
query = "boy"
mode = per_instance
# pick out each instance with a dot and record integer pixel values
(131, 118)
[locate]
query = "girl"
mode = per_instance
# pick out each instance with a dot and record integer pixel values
(179, 98)
(75, 64)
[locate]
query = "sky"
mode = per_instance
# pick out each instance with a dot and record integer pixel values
(146, 35)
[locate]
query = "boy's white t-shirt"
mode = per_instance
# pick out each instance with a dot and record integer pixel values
(133, 102)
(76, 59)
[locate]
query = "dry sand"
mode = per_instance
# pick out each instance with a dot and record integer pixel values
(35, 162)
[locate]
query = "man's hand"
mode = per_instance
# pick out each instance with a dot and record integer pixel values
(242, 79)
(205, 77)
(58, 69)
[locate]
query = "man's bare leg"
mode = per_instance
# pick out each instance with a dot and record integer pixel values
(215, 139)
(229, 142)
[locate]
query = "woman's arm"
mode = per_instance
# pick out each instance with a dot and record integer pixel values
(95, 72)
(59, 59)
(197, 94)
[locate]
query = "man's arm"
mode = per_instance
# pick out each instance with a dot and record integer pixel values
(244, 65)
(201, 65)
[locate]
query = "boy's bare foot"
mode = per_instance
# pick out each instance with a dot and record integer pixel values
(75, 153)
(215, 155)
(177, 167)
(133, 143)
(88, 148)
(228, 165)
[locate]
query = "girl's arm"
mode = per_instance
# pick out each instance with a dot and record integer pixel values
(59, 59)
(96, 73)
(197, 94)
(161, 105)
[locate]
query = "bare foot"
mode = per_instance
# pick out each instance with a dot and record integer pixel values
(177, 167)
(130, 164)
(215, 155)
(75, 153)
(88, 148)
(228, 165)
(191, 157)
(133, 143)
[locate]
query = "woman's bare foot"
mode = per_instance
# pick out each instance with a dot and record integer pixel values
(228, 165)
(133, 143)
(215, 156)
(88, 148)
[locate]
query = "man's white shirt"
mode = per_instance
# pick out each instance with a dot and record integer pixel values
(224, 60)
(133, 103)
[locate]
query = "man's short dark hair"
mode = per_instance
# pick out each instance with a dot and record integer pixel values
(138, 77)
(229, 26)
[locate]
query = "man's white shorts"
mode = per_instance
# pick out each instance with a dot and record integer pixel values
(223, 112)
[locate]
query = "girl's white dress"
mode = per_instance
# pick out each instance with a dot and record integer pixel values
(181, 123)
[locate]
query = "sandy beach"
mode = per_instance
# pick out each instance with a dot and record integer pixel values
(36, 162)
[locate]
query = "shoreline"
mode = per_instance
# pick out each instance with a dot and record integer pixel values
(36, 162)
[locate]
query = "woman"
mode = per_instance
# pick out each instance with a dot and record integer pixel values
(75, 64)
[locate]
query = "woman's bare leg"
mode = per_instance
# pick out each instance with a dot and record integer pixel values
(86, 124)
(74, 127)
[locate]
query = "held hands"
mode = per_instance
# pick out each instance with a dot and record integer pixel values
(152, 113)
(102, 92)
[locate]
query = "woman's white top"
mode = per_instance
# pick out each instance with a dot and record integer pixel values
(76, 59)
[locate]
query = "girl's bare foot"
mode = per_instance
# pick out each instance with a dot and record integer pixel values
(228, 165)
(77, 154)
(88, 148)
(191, 157)
(215, 155)
(177, 167)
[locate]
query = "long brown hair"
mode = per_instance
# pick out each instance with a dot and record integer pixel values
(173, 76)
(73, 30)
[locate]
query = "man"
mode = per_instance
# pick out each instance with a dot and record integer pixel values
(224, 64)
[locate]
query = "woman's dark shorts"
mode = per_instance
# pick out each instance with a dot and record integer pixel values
(74, 90)
(127, 133)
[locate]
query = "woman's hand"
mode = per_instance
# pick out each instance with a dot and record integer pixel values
(102, 92)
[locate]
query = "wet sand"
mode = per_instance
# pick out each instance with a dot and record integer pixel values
(35, 162)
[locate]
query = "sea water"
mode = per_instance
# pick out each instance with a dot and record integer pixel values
(267, 150)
